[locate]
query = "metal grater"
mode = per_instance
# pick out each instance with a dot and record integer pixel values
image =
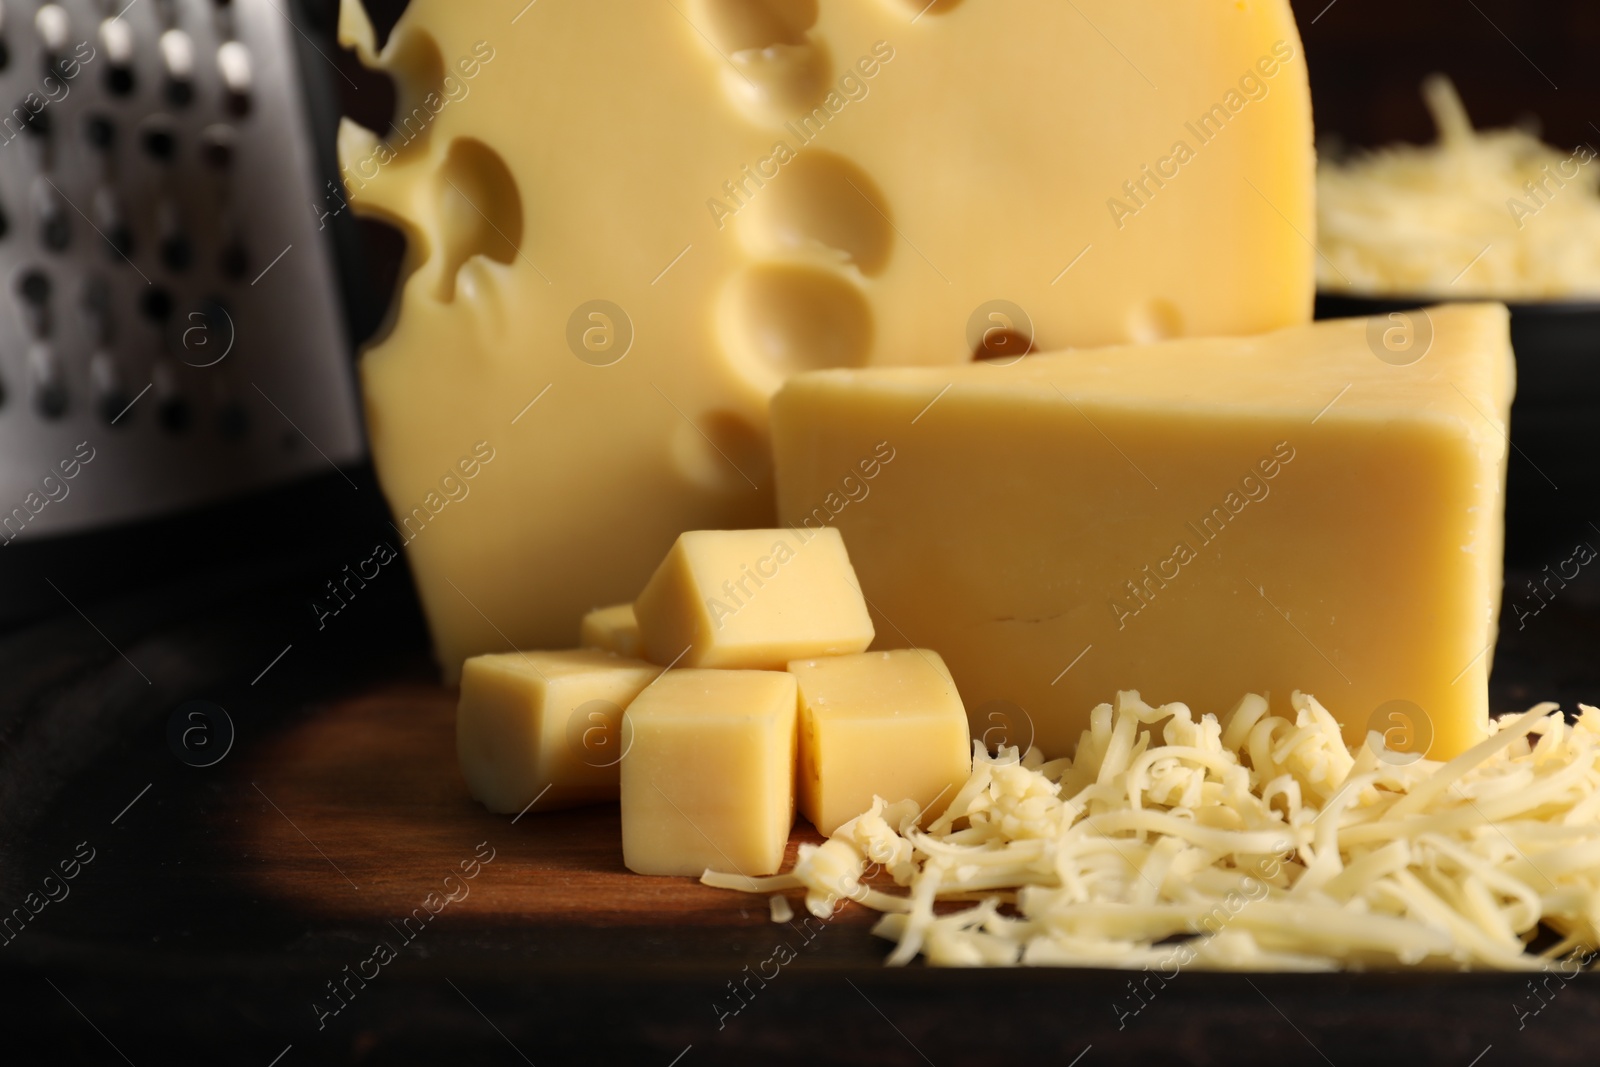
(171, 329)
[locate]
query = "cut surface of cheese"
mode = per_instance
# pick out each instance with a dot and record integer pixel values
(649, 235)
(1320, 507)
(613, 629)
(708, 779)
(885, 724)
(545, 726)
(752, 599)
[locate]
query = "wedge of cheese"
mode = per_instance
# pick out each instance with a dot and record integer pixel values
(628, 223)
(1319, 508)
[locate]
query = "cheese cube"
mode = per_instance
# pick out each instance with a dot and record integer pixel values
(752, 599)
(613, 629)
(545, 726)
(886, 724)
(1318, 508)
(708, 780)
(750, 189)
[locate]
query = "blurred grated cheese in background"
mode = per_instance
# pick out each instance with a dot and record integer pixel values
(1496, 212)
(1250, 843)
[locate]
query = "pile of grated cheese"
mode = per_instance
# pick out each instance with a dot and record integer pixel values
(1253, 843)
(1496, 213)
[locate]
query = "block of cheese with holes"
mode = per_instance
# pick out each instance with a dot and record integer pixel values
(1318, 508)
(886, 724)
(708, 779)
(545, 726)
(627, 223)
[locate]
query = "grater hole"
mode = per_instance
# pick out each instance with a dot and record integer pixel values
(35, 122)
(156, 304)
(119, 241)
(217, 146)
(55, 231)
(175, 414)
(101, 132)
(52, 400)
(176, 253)
(234, 260)
(34, 285)
(158, 141)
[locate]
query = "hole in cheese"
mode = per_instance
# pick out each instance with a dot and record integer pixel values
(736, 25)
(780, 319)
(821, 200)
(919, 8)
(480, 210)
(1003, 345)
(779, 81)
(774, 69)
(719, 451)
(418, 71)
(1155, 320)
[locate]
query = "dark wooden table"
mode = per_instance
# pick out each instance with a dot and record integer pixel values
(222, 902)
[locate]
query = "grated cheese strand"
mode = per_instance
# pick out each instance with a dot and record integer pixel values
(1257, 842)
(1493, 213)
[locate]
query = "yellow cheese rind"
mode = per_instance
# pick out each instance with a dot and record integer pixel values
(974, 153)
(752, 599)
(708, 780)
(613, 629)
(1053, 527)
(545, 726)
(886, 724)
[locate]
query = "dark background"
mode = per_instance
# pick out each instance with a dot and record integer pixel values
(1510, 59)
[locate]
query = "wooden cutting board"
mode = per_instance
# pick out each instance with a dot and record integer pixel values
(360, 811)
(233, 913)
